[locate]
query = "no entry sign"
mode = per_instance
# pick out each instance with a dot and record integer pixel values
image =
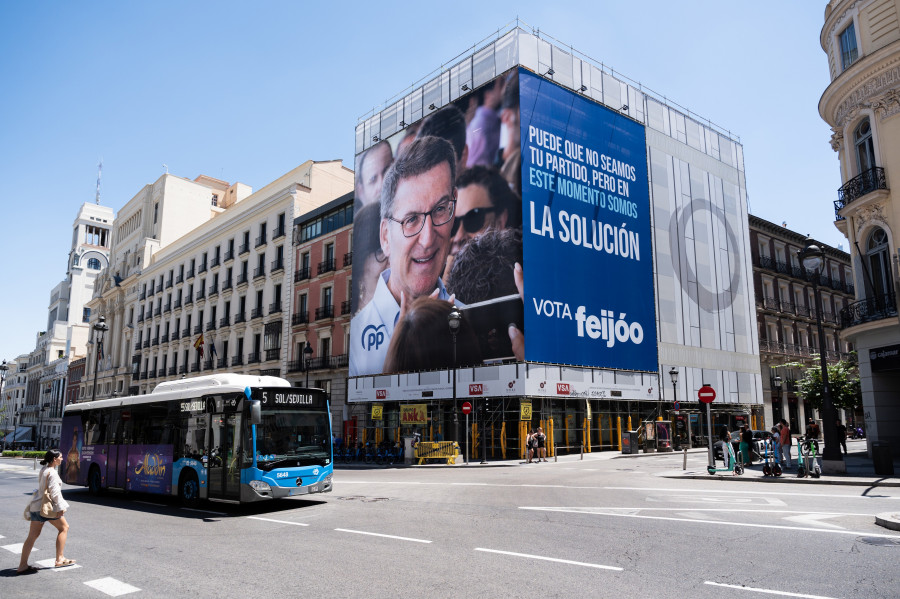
(706, 394)
(466, 407)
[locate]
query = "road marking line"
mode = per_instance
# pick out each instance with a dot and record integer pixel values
(375, 534)
(551, 559)
(151, 503)
(15, 548)
(50, 564)
(721, 491)
(744, 524)
(190, 509)
(815, 519)
(277, 521)
(681, 509)
(111, 586)
(770, 591)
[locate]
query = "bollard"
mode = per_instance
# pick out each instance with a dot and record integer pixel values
(582, 452)
(684, 465)
(554, 453)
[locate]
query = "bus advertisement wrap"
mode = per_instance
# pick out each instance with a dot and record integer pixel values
(528, 206)
(589, 297)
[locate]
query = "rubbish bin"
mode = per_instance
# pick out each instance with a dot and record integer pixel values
(630, 443)
(409, 452)
(882, 459)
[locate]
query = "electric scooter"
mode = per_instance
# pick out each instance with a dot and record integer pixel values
(734, 466)
(775, 468)
(806, 458)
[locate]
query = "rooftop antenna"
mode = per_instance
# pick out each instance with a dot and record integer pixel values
(99, 173)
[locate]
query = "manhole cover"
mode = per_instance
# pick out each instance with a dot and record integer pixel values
(363, 498)
(880, 541)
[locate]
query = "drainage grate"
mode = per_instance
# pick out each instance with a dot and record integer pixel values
(880, 541)
(363, 498)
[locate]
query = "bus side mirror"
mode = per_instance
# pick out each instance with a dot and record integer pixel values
(255, 412)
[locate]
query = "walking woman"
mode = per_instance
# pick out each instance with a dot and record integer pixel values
(47, 479)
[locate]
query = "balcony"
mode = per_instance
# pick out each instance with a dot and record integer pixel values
(174, 336)
(301, 275)
(868, 310)
(188, 301)
(300, 318)
(186, 332)
(245, 248)
(177, 305)
(151, 291)
(211, 325)
(179, 279)
(213, 290)
(259, 273)
(195, 367)
(229, 255)
(161, 372)
(208, 364)
(278, 232)
(182, 369)
(346, 306)
(326, 266)
(242, 279)
(237, 360)
(295, 365)
(140, 318)
(340, 361)
(864, 183)
(169, 284)
(253, 358)
(348, 259)
(155, 341)
(137, 345)
(143, 295)
(202, 268)
(273, 354)
(240, 317)
(226, 284)
(257, 313)
(215, 262)
(324, 312)
(260, 241)
(164, 338)
(158, 311)
(274, 307)
(198, 329)
(277, 265)
(225, 321)
(190, 274)
(201, 294)
(168, 307)
(173, 370)
(222, 363)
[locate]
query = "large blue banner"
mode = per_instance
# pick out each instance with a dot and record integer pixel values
(588, 261)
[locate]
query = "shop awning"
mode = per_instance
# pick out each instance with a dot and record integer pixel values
(22, 435)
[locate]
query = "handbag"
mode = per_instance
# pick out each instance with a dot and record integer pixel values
(27, 513)
(47, 510)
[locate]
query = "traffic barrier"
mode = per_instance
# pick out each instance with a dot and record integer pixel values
(437, 450)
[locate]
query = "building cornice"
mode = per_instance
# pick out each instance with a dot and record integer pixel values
(873, 82)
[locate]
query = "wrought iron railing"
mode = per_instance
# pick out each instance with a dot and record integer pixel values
(860, 185)
(869, 309)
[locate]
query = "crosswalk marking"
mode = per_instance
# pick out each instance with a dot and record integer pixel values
(111, 586)
(15, 548)
(50, 564)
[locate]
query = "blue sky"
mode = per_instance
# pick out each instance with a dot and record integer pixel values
(246, 91)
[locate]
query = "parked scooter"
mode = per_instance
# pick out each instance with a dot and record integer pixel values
(733, 465)
(773, 469)
(807, 452)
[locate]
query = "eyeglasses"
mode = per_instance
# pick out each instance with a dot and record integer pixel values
(413, 223)
(473, 220)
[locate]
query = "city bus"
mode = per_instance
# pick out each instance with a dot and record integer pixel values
(223, 437)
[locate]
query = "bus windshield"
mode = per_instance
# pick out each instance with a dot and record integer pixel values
(301, 438)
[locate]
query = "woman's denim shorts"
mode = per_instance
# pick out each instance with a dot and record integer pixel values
(36, 517)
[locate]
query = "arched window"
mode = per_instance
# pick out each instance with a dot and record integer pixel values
(865, 147)
(93, 264)
(878, 257)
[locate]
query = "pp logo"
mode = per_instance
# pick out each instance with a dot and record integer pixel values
(372, 337)
(380, 393)
(563, 389)
(476, 389)
(316, 472)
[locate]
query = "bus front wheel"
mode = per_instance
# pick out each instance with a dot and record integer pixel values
(189, 489)
(95, 484)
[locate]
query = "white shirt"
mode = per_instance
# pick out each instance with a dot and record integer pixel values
(373, 326)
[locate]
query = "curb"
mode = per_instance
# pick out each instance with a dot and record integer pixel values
(789, 480)
(888, 520)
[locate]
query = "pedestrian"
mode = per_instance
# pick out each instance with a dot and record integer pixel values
(541, 445)
(786, 442)
(529, 446)
(725, 438)
(776, 443)
(842, 435)
(47, 479)
(746, 444)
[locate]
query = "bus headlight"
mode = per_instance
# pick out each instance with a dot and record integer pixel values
(260, 486)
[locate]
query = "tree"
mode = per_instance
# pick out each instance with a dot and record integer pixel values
(843, 377)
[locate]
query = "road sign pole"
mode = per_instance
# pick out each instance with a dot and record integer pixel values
(709, 429)
(467, 438)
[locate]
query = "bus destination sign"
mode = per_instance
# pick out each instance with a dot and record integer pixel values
(275, 398)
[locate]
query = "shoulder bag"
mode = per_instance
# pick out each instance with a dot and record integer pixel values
(47, 510)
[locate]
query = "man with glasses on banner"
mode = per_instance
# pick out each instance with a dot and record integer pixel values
(418, 202)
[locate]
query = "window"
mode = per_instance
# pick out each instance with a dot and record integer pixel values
(93, 264)
(155, 212)
(215, 199)
(865, 147)
(849, 51)
(327, 296)
(86, 315)
(878, 256)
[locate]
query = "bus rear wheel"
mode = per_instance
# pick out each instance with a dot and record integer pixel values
(189, 489)
(95, 483)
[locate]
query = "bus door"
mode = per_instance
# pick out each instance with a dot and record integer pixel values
(226, 458)
(117, 458)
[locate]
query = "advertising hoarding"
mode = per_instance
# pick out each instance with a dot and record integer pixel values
(541, 226)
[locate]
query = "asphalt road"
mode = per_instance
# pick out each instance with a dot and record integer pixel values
(594, 528)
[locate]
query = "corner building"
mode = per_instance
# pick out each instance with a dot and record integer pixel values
(862, 106)
(635, 254)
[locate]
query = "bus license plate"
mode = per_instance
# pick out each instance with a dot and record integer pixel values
(313, 489)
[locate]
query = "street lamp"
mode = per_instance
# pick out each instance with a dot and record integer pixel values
(307, 354)
(813, 260)
(99, 329)
(776, 381)
(16, 429)
(40, 437)
(3, 370)
(453, 321)
(673, 376)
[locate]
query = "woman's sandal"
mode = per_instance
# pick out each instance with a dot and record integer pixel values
(64, 563)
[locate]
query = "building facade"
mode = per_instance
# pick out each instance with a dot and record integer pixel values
(320, 316)
(12, 400)
(216, 298)
(861, 39)
(786, 316)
